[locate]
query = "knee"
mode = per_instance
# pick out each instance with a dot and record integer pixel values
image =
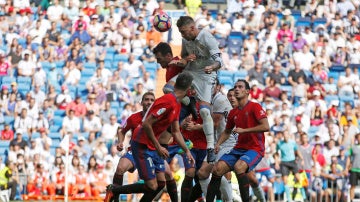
(153, 186)
(204, 111)
(202, 174)
(218, 170)
(190, 172)
(121, 169)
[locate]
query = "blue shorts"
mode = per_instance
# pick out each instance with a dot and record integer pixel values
(148, 162)
(130, 157)
(267, 173)
(173, 150)
(199, 156)
(250, 157)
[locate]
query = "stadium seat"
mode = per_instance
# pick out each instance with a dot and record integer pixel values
(120, 57)
(6, 80)
(319, 21)
(334, 75)
(24, 80)
(108, 64)
(329, 98)
(4, 144)
(55, 135)
(46, 65)
(236, 35)
(213, 12)
(35, 135)
(226, 81)
(303, 22)
(110, 50)
(337, 68)
(58, 120)
(59, 113)
(60, 63)
(225, 73)
(109, 57)
(54, 128)
(354, 66)
(296, 14)
(312, 131)
(151, 65)
(114, 104)
(89, 65)
(24, 87)
(87, 73)
(241, 74)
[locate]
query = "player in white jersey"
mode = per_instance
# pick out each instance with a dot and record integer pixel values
(203, 57)
(220, 109)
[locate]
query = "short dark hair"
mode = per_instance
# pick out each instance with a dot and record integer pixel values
(184, 20)
(183, 81)
(247, 85)
(163, 48)
(146, 94)
(231, 89)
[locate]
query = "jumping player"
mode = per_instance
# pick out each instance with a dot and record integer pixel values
(150, 154)
(203, 57)
(250, 122)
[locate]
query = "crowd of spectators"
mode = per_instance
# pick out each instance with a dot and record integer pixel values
(80, 68)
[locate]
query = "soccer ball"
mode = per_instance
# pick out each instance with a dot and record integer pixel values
(162, 22)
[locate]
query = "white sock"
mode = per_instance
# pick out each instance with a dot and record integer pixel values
(258, 192)
(208, 126)
(204, 185)
(226, 189)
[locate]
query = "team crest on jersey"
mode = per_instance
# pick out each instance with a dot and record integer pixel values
(160, 111)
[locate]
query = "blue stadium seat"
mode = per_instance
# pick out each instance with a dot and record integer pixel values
(59, 113)
(225, 73)
(226, 81)
(85, 135)
(24, 87)
(312, 131)
(114, 104)
(334, 75)
(4, 143)
(24, 80)
(58, 120)
(319, 21)
(337, 68)
(87, 73)
(109, 57)
(303, 22)
(296, 14)
(35, 135)
(233, 42)
(236, 35)
(354, 66)
(55, 135)
(213, 12)
(121, 57)
(56, 142)
(110, 50)
(54, 128)
(46, 65)
(108, 64)
(90, 65)
(241, 74)
(329, 98)
(7, 80)
(60, 64)
(151, 65)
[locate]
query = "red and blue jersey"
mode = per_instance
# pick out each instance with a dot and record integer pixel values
(248, 117)
(132, 122)
(166, 110)
(173, 70)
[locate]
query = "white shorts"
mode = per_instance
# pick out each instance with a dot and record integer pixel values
(203, 84)
(223, 150)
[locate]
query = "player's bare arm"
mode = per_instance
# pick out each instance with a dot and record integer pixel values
(121, 137)
(147, 126)
(262, 127)
(223, 137)
(175, 131)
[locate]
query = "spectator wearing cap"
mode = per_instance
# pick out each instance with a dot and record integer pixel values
(26, 66)
(99, 180)
(23, 122)
(7, 134)
(55, 11)
(255, 92)
(78, 107)
(81, 34)
(92, 123)
(252, 23)
(22, 20)
(83, 149)
(70, 124)
(288, 19)
(4, 65)
(239, 23)
(222, 28)
(316, 100)
(92, 105)
(63, 98)
(40, 123)
(18, 141)
(43, 140)
(138, 44)
(95, 28)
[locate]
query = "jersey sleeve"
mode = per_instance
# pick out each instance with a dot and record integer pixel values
(127, 125)
(230, 124)
(221, 105)
(161, 109)
(211, 43)
(259, 112)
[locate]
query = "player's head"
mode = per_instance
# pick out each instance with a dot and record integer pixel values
(217, 86)
(147, 99)
(187, 27)
(183, 82)
(231, 97)
(241, 89)
(163, 54)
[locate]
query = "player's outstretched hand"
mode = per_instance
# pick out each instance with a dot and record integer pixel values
(163, 152)
(120, 146)
(190, 158)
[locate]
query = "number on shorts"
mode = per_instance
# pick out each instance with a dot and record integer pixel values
(150, 162)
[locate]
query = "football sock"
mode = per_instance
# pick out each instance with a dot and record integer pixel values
(244, 184)
(213, 187)
(172, 190)
(186, 188)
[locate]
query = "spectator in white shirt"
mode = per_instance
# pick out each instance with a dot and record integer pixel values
(23, 122)
(109, 130)
(147, 81)
(40, 123)
(72, 74)
(70, 124)
(133, 67)
(92, 123)
(63, 99)
(39, 76)
(26, 67)
(55, 11)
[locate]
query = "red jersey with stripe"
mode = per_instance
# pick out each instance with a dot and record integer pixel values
(166, 110)
(173, 70)
(248, 117)
(132, 122)
(197, 137)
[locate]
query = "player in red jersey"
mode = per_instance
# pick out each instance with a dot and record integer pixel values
(126, 162)
(150, 155)
(249, 120)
